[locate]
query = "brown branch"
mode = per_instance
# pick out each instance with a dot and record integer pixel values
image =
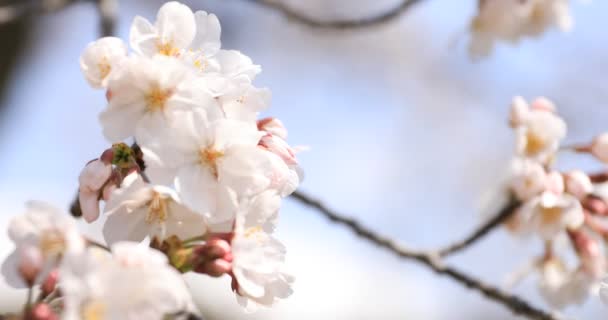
(432, 260)
(354, 23)
(504, 214)
(18, 10)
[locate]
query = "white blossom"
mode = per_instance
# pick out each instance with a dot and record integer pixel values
(44, 228)
(214, 164)
(136, 282)
(101, 58)
(137, 210)
(511, 20)
(561, 287)
(578, 184)
(550, 214)
(258, 267)
(176, 31)
(147, 95)
(529, 178)
(539, 135)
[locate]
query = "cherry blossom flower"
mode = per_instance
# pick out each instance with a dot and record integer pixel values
(137, 210)
(136, 282)
(101, 58)
(578, 184)
(528, 179)
(147, 94)
(214, 163)
(41, 228)
(539, 135)
(258, 272)
(512, 20)
(561, 287)
(176, 30)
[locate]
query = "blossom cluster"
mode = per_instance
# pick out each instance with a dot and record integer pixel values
(556, 205)
(198, 190)
(513, 20)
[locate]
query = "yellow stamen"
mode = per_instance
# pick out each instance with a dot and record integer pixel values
(93, 310)
(534, 143)
(209, 157)
(104, 67)
(157, 98)
(167, 49)
(551, 215)
(157, 208)
(52, 243)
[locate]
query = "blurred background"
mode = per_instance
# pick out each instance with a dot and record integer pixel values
(407, 134)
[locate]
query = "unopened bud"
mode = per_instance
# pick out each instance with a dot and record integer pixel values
(279, 147)
(595, 205)
(578, 184)
(107, 156)
(589, 251)
(30, 264)
(555, 183)
(217, 248)
(543, 104)
(599, 147)
(215, 268)
(519, 112)
(43, 311)
(50, 282)
(273, 126)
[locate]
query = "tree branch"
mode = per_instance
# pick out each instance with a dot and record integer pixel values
(504, 214)
(432, 259)
(355, 23)
(20, 9)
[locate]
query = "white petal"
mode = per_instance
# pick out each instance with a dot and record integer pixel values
(175, 24)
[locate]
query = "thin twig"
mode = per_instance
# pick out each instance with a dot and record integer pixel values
(430, 259)
(107, 16)
(354, 23)
(504, 214)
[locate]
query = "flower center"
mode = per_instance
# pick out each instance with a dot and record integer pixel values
(209, 157)
(157, 98)
(157, 208)
(551, 215)
(104, 68)
(93, 310)
(534, 143)
(52, 243)
(167, 49)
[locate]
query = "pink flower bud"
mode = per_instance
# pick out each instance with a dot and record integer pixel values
(578, 184)
(590, 253)
(279, 147)
(43, 311)
(543, 104)
(555, 183)
(49, 284)
(215, 268)
(94, 175)
(599, 147)
(595, 205)
(89, 205)
(30, 263)
(273, 126)
(107, 156)
(519, 112)
(217, 248)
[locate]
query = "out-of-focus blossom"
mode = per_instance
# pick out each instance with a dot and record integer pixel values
(135, 282)
(44, 232)
(101, 58)
(512, 20)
